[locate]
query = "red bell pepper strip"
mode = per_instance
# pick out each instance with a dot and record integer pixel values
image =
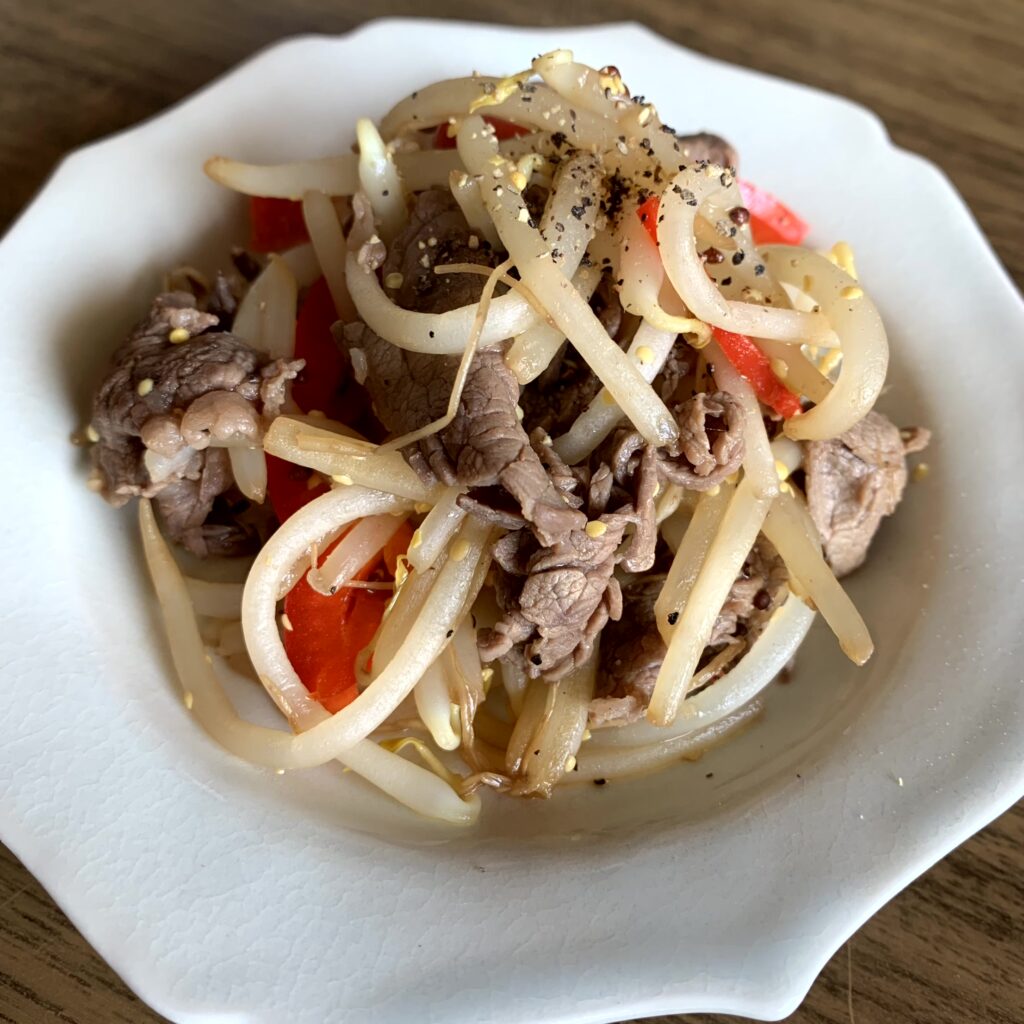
(328, 632)
(319, 384)
(288, 487)
(502, 130)
(276, 224)
(753, 365)
(647, 211)
(770, 220)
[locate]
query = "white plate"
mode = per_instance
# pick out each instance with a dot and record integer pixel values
(223, 893)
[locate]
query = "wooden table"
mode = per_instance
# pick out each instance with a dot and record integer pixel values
(948, 79)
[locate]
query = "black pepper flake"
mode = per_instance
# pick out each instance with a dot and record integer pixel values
(758, 270)
(536, 659)
(737, 258)
(430, 333)
(385, 192)
(414, 95)
(449, 634)
(600, 782)
(673, 618)
(710, 775)
(559, 226)
(578, 211)
(726, 281)
(558, 139)
(688, 197)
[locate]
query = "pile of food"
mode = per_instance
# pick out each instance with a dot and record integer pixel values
(545, 433)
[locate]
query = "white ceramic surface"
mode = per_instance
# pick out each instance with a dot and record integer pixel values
(223, 893)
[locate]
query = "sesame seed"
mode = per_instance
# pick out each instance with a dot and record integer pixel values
(713, 491)
(144, 387)
(781, 469)
(94, 483)
(519, 413)
(645, 354)
(178, 335)
(852, 292)
(595, 528)
(342, 478)
(524, 214)
(518, 180)
(431, 241)
(393, 280)
(921, 470)
(279, 771)
(417, 539)
(189, 700)
(286, 623)
(92, 434)
(570, 763)
(474, 242)
(459, 550)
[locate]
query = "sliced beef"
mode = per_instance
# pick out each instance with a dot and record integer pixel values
(677, 369)
(436, 234)
(160, 405)
(633, 467)
(632, 649)
(703, 147)
(709, 449)
(853, 481)
(555, 599)
(631, 655)
(754, 595)
(409, 389)
(560, 394)
(710, 446)
(486, 445)
(607, 307)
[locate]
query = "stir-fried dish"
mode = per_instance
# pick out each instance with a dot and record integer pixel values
(545, 434)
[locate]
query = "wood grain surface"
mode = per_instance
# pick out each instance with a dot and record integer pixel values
(947, 77)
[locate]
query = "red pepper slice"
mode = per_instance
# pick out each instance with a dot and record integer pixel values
(319, 384)
(328, 632)
(276, 224)
(647, 211)
(770, 220)
(502, 130)
(753, 365)
(288, 487)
